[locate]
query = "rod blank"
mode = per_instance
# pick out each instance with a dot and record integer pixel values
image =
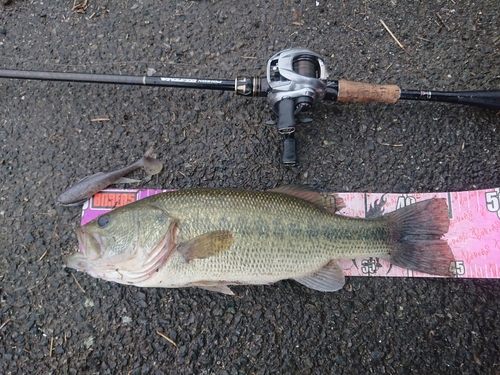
(179, 82)
(483, 99)
(342, 91)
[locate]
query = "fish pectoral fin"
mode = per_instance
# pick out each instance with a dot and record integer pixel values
(206, 245)
(329, 202)
(330, 278)
(224, 289)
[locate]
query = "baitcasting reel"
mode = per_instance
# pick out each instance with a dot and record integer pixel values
(297, 79)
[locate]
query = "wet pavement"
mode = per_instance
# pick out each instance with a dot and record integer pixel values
(52, 134)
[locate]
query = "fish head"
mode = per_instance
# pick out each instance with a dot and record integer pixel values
(125, 245)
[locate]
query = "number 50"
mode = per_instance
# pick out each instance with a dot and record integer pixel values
(492, 201)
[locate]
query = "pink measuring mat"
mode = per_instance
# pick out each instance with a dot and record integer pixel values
(474, 234)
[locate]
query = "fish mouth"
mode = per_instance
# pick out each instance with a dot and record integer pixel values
(89, 250)
(90, 245)
(130, 267)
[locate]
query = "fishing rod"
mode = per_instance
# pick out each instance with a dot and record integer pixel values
(296, 80)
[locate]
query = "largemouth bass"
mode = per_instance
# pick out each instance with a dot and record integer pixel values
(212, 238)
(90, 185)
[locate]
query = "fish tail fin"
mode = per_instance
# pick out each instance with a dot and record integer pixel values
(416, 232)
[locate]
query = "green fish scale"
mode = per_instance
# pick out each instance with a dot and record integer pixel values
(275, 235)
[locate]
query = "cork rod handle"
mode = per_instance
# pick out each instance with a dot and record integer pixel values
(357, 92)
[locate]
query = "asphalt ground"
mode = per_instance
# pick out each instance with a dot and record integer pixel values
(58, 321)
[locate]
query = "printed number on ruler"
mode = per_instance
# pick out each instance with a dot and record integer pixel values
(404, 201)
(457, 267)
(370, 266)
(493, 201)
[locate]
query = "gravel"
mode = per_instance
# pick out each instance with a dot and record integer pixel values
(53, 320)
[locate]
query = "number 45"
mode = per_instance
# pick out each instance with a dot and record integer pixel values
(457, 267)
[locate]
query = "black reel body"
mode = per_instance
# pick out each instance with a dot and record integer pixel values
(297, 79)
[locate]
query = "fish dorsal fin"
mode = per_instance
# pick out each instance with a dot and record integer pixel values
(206, 245)
(330, 278)
(224, 289)
(330, 202)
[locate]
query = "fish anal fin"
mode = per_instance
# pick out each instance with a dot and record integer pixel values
(330, 202)
(330, 278)
(224, 289)
(206, 245)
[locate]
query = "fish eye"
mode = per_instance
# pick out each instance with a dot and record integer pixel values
(103, 221)
(161, 218)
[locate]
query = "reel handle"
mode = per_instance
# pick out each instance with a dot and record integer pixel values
(286, 126)
(286, 116)
(289, 151)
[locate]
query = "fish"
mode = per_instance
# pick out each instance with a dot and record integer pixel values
(90, 185)
(213, 238)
